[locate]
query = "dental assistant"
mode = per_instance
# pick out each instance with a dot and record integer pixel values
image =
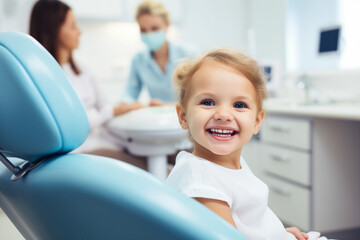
(153, 68)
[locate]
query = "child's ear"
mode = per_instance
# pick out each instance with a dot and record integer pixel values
(259, 118)
(182, 116)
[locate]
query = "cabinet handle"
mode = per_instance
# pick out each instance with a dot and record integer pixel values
(279, 191)
(279, 129)
(280, 158)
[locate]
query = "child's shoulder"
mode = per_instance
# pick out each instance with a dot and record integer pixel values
(190, 161)
(197, 177)
(189, 167)
(186, 161)
(184, 157)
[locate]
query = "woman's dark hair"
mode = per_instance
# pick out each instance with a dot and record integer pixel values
(46, 18)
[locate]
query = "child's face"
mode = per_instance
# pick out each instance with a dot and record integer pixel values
(221, 113)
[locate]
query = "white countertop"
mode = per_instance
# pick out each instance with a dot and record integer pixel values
(346, 111)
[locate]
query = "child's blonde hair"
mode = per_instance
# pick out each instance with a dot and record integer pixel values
(152, 8)
(234, 59)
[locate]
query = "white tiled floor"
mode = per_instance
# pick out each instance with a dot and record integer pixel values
(7, 229)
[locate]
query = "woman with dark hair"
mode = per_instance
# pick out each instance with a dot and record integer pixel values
(53, 24)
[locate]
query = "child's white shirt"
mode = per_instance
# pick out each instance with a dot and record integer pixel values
(246, 195)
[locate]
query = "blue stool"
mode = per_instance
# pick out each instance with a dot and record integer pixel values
(50, 194)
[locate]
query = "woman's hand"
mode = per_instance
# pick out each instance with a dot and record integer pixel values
(155, 103)
(126, 107)
(297, 233)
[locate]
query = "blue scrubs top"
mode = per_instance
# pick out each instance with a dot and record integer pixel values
(146, 72)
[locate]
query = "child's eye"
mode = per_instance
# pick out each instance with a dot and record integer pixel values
(207, 102)
(240, 105)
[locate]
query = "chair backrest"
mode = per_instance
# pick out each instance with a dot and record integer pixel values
(72, 196)
(39, 115)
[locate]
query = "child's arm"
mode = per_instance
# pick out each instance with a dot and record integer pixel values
(221, 208)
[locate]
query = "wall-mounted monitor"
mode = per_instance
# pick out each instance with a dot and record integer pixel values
(329, 40)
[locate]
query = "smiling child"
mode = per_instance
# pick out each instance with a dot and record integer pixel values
(220, 103)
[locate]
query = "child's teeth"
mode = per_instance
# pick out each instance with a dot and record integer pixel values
(221, 131)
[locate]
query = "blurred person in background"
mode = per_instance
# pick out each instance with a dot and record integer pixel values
(53, 24)
(153, 67)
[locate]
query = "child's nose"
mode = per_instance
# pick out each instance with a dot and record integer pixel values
(223, 114)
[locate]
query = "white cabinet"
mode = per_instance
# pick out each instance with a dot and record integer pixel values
(287, 163)
(311, 166)
(291, 132)
(286, 156)
(290, 202)
(335, 174)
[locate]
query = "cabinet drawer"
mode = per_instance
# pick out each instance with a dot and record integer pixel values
(289, 202)
(287, 131)
(290, 164)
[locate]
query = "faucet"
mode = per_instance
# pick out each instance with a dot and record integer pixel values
(305, 84)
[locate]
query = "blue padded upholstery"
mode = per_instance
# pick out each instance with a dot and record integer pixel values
(90, 197)
(74, 196)
(40, 112)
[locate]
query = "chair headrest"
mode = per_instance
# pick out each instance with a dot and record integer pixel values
(40, 112)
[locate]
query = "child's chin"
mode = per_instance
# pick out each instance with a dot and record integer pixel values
(221, 152)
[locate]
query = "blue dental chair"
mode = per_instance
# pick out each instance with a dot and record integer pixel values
(50, 194)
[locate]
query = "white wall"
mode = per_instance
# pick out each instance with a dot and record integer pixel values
(349, 15)
(15, 14)
(267, 30)
(256, 27)
(107, 49)
(215, 23)
(304, 20)
(333, 76)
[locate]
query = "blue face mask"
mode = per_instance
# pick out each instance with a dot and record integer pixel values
(154, 40)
